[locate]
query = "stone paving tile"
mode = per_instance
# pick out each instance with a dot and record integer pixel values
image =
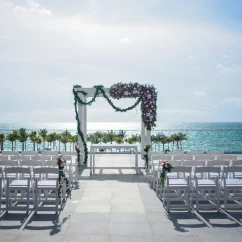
(128, 218)
(88, 228)
(91, 217)
(130, 238)
(38, 238)
(84, 238)
(135, 229)
(127, 208)
(93, 208)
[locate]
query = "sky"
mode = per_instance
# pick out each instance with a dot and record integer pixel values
(190, 50)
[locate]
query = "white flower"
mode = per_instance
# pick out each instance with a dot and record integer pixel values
(126, 93)
(149, 96)
(151, 117)
(148, 114)
(135, 91)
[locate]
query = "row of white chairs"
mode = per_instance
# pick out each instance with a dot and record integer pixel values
(38, 152)
(19, 183)
(207, 185)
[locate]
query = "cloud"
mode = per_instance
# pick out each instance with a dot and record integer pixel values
(191, 56)
(199, 93)
(231, 100)
(125, 40)
(183, 111)
(226, 56)
(29, 7)
(227, 70)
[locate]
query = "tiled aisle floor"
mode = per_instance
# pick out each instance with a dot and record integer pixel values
(115, 205)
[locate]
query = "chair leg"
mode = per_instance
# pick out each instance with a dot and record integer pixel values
(197, 202)
(7, 196)
(225, 199)
(36, 198)
(168, 199)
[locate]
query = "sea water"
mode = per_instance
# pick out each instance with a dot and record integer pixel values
(200, 136)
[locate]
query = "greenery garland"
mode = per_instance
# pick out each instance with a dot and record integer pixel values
(63, 179)
(146, 156)
(145, 94)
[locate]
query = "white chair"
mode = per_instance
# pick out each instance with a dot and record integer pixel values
(232, 187)
(175, 163)
(36, 157)
(30, 152)
(47, 186)
(193, 164)
(237, 163)
(218, 163)
(10, 153)
(23, 185)
(204, 157)
(2, 186)
(226, 157)
(49, 152)
(155, 153)
(4, 157)
(175, 153)
(46, 157)
(219, 152)
(177, 189)
(14, 157)
(30, 164)
(206, 187)
(195, 153)
(73, 153)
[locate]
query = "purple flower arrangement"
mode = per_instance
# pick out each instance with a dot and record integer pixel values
(148, 97)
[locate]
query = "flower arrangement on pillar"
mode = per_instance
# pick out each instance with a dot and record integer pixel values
(61, 162)
(146, 156)
(166, 167)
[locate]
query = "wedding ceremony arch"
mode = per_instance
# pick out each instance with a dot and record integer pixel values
(145, 95)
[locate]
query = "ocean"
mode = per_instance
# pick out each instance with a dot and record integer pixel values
(200, 136)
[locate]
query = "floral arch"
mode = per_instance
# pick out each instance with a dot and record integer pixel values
(144, 94)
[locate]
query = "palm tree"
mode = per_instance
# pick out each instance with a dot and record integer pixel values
(172, 137)
(65, 137)
(43, 134)
(158, 138)
(33, 138)
(22, 137)
(163, 140)
(111, 136)
(71, 140)
(177, 138)
(121, 134)
(2, 139)
(75, 140)
(169, 140)
(118, 140)
(58, 137)
(51, 138)
(105, 139)
(182, 138)
(11, 138)
(39, 141)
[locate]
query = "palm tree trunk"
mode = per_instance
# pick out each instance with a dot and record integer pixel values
(59, 145)
(2, 146)
(22, 146)
(12, 145)
(34, 146)
(65, 146)
(177, 144)
(163, 147)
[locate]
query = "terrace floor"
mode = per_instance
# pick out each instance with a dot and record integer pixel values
(115, 205)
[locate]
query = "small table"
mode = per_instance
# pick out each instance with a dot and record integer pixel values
(94, 147)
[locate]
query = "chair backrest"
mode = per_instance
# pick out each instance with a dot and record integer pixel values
(233, 169)
(188, 157)
(175, 153)
(4, 157)
(17, 170)
(194, 163)
(204, 157)
(30, 152)
(67, 157)
(30, 163)
(46, 157)
(151, 153)
(178, 157)
(161, 157)
(226, 157)
(10, 153)
(218, 163)
(55, 157)
(50, 163)
(7, 163)
(236, 163)
(49, 152)
(47, 170)
(74, 153)
(24, 157)
(176, 163)
(36, 157)
(215, 152)
(185, 170)
(14, 157)
(206, 171)
(195, 152)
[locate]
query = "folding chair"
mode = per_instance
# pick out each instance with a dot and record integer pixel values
(47, 186)
(175, 153)
(177, 189)
(215, 152)
(206, 187)
(2, 186)
(23, 185)
(237, 163)
(231, 187)
(226, 157)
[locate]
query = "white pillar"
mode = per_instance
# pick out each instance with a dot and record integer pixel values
(142, 143)
(148, 137)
